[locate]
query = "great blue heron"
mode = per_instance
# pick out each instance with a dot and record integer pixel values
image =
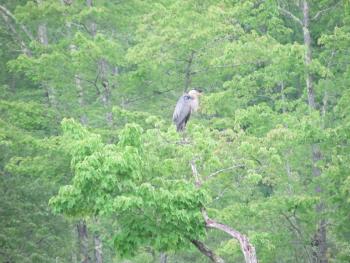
(187, 104)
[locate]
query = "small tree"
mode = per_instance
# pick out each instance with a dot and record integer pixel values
(145, 181)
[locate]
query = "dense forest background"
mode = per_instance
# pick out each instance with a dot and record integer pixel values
(93, 170)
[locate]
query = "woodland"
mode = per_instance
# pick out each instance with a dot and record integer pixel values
(93, 170)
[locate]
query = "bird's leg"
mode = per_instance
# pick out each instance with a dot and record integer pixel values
(185, 138)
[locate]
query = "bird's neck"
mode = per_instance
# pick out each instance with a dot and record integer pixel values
(194, 104)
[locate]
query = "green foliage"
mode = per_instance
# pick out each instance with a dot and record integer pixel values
(119, 180)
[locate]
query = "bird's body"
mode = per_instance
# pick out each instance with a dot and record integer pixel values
(187, 104)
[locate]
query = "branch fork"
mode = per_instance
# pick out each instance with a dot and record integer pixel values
(247, 248)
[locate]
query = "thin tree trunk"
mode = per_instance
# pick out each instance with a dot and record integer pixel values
(49, 90)
(83, 242)
(98, 248)
(74, 246)
(80, 91)
(207, 251)
(81, 227)
(92, 25)
(319, 242)
(106, 94)
(103, 69)
(163, 257)
(80, 95)
(97, 239)
(308, 55)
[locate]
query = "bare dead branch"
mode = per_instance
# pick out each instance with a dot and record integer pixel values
(287, 13)
(207, 251)
(247, 248)
(225, 169)
(323, 11)
(195, 174)
(221, 194)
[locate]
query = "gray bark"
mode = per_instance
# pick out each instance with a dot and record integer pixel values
(81, 227)
(163, 257)
(49, 90)
(83, 242)
(74, 253)
(106, 94)
(104, 70)
(308, 55)
(207, 251)
(98, 248)
(247, 248)
(80, 95)
(319, 242)
(92, 25)
(93, 30)
(42, 34)
(80, 91)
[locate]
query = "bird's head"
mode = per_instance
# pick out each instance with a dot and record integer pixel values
(195, 93)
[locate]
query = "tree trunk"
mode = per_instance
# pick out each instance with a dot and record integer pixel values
(80, 92)
(92, 25)
(207, 252)
(83, 242)
(80, 95)
(319, 242)
(49, 90)
(103, 69)
(163, 257)
(98, 248)
(106, 94)
(308, 55)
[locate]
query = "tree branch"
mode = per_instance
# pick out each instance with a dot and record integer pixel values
(286, 12)
(321, 12)
(9, 14)
(207, 251)
(298, 232)
(247, 248)
(225, 169)
(17, 37)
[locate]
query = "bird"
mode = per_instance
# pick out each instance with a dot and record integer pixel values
(187, 103)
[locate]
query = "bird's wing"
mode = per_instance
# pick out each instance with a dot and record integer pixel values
(182, 109)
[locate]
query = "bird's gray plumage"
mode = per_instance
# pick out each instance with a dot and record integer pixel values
(187, 104)
(182, 112)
